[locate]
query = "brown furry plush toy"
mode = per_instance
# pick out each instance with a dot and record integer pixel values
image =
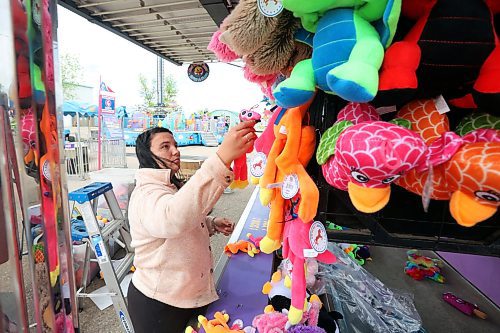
(266, 44)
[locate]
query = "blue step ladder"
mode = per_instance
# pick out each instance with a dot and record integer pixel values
(86, 201)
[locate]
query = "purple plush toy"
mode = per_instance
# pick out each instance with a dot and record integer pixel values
(305, 329)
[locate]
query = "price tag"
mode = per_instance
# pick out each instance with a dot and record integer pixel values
(258, 164)
(310, 253)
(283, 130)
(270, 8)
(386, 109)
(441, 104)
(290, 186)
(318, 237)
(428, 189)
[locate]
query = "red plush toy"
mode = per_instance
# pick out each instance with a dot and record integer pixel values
(452, 50)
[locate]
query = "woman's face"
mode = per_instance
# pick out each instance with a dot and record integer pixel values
(164, 146)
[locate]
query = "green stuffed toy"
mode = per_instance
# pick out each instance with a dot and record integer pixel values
(348, 48)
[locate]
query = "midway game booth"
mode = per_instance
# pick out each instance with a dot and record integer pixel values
(386, 137)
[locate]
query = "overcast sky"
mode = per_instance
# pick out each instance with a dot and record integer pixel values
(120, 62)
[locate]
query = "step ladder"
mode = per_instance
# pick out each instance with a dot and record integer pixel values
(86, 200)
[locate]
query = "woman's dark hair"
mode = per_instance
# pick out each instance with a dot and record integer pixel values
(146, 157)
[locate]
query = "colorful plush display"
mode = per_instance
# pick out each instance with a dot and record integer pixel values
(420, 267)
(367, 156)
(347, 49)
(451, 50)
(217, 325)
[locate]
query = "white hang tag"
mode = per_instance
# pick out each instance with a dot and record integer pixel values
(386, 109)
(441, 104)
(270, 8)
(310, 253)
(283, 130)
(428, 189)
(274, 185)
(258, 164)
(290, 186)
(318, 237)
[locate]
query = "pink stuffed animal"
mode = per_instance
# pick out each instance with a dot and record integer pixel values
(363, 155)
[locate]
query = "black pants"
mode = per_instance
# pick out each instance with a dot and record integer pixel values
(149, 315)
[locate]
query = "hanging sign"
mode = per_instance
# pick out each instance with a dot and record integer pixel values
(270, 8)
(198, 72)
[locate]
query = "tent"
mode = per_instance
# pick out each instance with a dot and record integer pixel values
(72, 108)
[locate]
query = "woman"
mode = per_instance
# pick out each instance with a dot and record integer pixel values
(170, 229)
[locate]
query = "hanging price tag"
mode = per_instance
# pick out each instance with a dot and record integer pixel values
(258, 164)
(318, 237)
(428, 189)
(441, 104)
(386, 109)
(270, 8)
(290, 186)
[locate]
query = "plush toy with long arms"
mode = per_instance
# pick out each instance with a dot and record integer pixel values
(240, 169)
(347, 49)
(365, 158)
(451, 50)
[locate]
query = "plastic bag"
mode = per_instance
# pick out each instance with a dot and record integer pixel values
(365, 302)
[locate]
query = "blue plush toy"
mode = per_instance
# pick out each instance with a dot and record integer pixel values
(348, 48)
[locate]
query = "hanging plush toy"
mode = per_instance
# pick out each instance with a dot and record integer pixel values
(347, 49)
(452, 50)
(363, 155)
(240, 164)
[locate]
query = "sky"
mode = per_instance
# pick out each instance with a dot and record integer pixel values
(119, 62)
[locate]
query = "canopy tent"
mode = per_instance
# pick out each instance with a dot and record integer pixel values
(73, 108)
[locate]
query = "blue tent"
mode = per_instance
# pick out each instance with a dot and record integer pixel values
(84, 109)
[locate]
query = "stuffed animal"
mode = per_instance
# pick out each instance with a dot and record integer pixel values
(243, 246)
(297, 240)
(476, 121)
(420, 267)
(464, 171)
(347, 49)
(451, 50)
(217, 325)
(367, 156)
(240, 164)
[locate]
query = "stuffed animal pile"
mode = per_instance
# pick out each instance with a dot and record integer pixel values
(405, 70)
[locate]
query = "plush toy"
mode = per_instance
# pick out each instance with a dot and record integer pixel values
(464, 171)
(243, 246)
(420, 267)
(240, 164)
(367, 156)
(297, 240)
(451, 50)
(425, 119)
(291, 150)
(476, 121)
(217, 325)
(347, 49)
(359, 253)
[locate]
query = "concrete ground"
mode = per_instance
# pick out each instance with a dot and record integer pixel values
(387, 265)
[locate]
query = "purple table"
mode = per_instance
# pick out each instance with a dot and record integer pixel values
(240, 285)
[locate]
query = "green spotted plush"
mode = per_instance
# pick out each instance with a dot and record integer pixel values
(477, 121)
(401, 122)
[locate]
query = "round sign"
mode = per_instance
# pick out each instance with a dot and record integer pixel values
(290, 186)
(198, 72)
(318, 237)
(258, 164)
(46, 170)
(270, 8)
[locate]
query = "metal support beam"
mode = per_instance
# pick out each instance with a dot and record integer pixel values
(189, 18)
(125, 10)
(201, 11)
(217, 9)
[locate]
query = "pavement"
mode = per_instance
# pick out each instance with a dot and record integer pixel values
(387, 265)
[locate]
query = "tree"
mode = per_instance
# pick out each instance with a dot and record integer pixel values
(147, 90)
(169, 90)
(71, 73)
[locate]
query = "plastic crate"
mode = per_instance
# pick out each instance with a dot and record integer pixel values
(403, 222)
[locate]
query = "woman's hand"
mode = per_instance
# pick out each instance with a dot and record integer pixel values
(237, 141)
(223, 225)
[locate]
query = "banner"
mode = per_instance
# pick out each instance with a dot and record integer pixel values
(109, 125)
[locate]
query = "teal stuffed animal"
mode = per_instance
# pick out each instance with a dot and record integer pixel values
(348, 48)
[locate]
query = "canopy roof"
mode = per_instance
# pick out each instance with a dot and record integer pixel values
(176, 30)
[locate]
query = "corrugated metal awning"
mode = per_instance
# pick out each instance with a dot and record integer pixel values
(178, 31)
